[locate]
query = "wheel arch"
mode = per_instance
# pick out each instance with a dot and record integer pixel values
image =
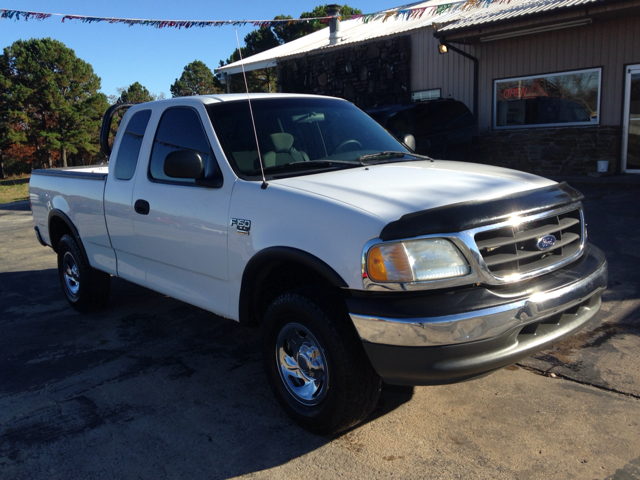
(276, 270)
(60, 224)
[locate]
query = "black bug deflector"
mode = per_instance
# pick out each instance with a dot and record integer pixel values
(466, 215)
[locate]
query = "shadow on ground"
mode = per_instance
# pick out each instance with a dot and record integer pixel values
(149, 378)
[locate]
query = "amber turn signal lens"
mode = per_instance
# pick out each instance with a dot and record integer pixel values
(375, 266)
(389, 263)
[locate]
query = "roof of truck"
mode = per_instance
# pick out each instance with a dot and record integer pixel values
(231, 97)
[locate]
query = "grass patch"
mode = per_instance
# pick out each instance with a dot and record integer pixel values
(14, 189)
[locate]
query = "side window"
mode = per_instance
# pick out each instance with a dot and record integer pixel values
(179, 129)
(130, 146)
(444, 115)
(428, 117)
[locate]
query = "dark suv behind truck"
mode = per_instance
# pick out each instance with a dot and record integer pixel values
(439, 126)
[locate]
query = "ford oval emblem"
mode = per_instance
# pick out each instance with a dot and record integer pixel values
(546, 242)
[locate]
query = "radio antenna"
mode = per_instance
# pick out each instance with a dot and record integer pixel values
(253, 122)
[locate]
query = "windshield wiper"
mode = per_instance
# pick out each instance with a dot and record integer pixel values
(381, 157)
(329, 161)
(310, 163)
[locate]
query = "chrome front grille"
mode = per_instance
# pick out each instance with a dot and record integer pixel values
(517, 249)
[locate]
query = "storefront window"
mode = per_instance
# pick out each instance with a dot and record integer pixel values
(558, 99)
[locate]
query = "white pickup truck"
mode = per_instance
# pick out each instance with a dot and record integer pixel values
(360, 261)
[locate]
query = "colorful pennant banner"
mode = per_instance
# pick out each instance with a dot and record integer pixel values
(401, 14)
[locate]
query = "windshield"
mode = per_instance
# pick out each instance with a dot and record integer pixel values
(297, 135)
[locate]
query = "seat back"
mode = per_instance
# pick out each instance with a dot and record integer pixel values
(283, 151)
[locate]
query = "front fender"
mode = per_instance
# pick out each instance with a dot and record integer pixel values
(264, 263)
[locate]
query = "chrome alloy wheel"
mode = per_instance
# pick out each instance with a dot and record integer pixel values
(71, 274)
(302, 364)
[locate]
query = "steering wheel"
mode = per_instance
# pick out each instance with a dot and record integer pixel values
(355, 145)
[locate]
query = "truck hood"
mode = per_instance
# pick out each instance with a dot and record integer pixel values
(392, 190)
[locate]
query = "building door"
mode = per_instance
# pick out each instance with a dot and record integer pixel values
(631, 125)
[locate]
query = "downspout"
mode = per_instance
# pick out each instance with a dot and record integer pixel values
(475, 72)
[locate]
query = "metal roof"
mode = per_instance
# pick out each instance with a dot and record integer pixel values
(504, 11)
(352, 31)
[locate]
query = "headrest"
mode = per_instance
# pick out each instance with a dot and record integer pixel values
(282, 142)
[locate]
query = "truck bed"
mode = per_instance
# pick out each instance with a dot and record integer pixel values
(75, 195)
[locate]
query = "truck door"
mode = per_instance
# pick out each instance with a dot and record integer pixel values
(117, 197)
(181, 228)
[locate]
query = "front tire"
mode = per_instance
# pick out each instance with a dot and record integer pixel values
(316, 365)
(85, 288)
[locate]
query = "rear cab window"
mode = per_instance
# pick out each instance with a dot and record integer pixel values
(130, 145)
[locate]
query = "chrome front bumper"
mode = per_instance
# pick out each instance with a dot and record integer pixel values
(487, 329)
(578, 298)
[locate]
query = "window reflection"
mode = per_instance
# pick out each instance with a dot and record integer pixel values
(557, 99)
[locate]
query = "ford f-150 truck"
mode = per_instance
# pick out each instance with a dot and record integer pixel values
(360, 261)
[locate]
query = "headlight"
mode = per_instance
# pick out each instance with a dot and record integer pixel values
(415, 261)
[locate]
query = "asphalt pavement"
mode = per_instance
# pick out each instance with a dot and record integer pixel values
(595, 355)
(153, 388)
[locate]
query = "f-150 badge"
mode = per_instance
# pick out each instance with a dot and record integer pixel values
(242, 226)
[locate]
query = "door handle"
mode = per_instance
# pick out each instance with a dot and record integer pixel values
(141, 207)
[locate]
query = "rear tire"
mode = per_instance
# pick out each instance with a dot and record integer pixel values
(316, 365)
(85, 288)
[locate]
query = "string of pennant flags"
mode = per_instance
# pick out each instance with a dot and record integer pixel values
(400, 14)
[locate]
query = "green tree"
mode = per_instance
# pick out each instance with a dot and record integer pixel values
(258, 41)
(135, 93)
(263, 80)
(4, 143)
(286, 33)
(196, 79)
(50, 99)
(80, 126)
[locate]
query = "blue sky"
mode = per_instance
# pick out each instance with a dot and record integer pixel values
(121, 55)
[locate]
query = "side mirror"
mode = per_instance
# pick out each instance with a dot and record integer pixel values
(183, 164)
(410, 141)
